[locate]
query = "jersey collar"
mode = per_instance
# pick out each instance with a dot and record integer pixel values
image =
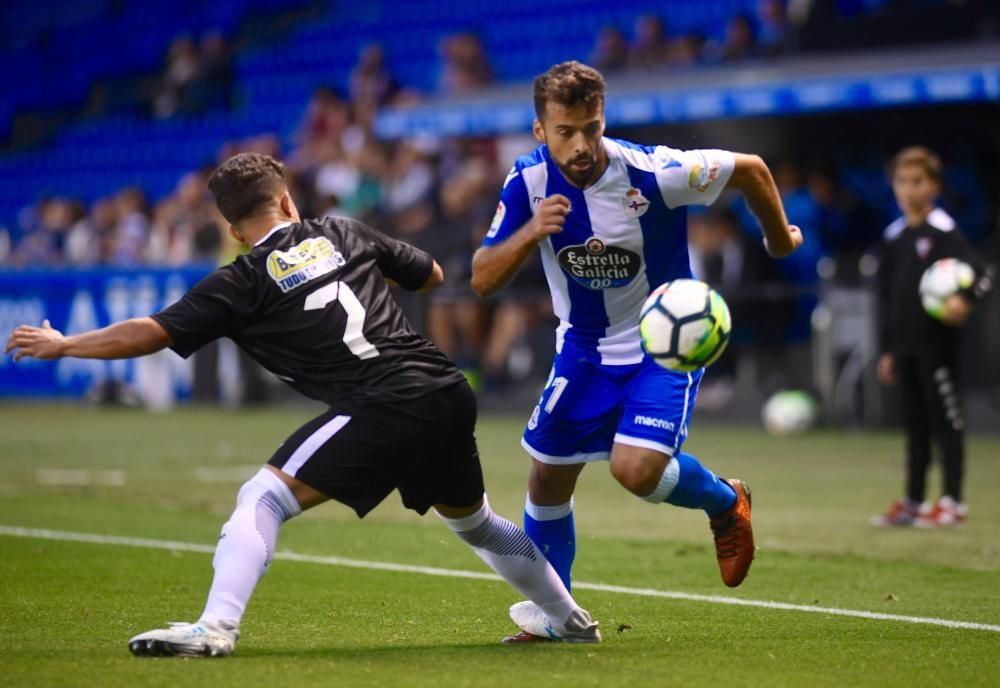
(273, 230)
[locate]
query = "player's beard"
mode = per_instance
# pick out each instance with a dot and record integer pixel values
(580, 176)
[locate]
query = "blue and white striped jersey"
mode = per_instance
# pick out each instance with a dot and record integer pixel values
(625, 235)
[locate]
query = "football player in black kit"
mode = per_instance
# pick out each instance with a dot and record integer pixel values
(919, 353)
(311, 303)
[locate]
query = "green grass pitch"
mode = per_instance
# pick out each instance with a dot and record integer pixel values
(67, 608)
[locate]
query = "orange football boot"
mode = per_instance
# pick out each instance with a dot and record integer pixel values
(733, 534)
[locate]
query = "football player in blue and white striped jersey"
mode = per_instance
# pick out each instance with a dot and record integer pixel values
(609, 219)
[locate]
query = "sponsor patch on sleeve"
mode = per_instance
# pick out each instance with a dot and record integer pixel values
(701, 178)
(497, 220)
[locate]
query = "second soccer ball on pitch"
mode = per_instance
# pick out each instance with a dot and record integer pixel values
(941, 280)
(684, 325)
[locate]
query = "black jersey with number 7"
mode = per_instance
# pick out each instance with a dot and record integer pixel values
(310, 303)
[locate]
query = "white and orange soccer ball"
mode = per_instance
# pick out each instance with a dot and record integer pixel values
(943, 279)
(684, 325)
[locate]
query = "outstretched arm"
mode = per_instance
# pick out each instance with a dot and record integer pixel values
(127, 339)
(752, 178)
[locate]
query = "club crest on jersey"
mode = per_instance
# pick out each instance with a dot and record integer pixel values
(303, 262)
(923, 247)
(635, 203)
(701, 179)
(597, 265)
(498, 217)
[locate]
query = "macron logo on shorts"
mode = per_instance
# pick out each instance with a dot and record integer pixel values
(654, 422)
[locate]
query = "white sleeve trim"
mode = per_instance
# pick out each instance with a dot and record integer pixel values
(939, 219)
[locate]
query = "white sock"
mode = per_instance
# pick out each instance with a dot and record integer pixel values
(246, 545)
(547, 513)
(508, 551)
(668, 481)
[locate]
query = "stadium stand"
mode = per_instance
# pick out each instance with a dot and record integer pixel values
(405, 114)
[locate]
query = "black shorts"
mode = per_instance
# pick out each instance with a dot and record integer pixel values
(359, 452)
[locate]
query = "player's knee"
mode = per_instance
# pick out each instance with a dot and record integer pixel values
(638, 476)
(549, 485)
(265, 485)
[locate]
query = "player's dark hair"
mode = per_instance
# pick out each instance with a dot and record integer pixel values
(246, 182)
(569, 84)
(918, 156)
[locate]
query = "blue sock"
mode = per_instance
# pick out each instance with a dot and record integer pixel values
(699, 488)
(551, 529)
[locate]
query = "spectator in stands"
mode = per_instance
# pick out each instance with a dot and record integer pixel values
(845, 225)
(650, 48)
(370, 80)
(610, 50)
(183, 224)
(739, 43)
(687, 50)
(183, 63)
(790, 179)
(466, 208)
(464, 66)
(517, 312)
(212, 84)
(337, 178)
(799, 269)
(46, 244)
(373, 165)
(409, 188)
(131, 235)
(319, 134)
(740, 269)
(361, 129)
(266, 144)
(89, 241)
(716, 250)
(773, 36)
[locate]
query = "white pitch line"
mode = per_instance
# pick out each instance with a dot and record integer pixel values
(64, 536)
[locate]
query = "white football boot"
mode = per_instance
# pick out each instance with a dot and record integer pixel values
(186, 640)
(535, 625)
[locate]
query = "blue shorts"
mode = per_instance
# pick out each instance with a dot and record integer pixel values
(586, 407)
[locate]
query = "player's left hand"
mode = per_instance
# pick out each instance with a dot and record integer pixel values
(795, 234)
(956, 310)
(43, 342)
(794, 240)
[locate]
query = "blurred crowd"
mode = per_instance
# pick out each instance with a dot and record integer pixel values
(196, 77)
(654, 47)
(440, 194)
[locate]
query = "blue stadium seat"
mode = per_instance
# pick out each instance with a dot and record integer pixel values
(96, 157)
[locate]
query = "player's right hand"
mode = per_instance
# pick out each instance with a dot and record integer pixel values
(43, 342)
(551, 215)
